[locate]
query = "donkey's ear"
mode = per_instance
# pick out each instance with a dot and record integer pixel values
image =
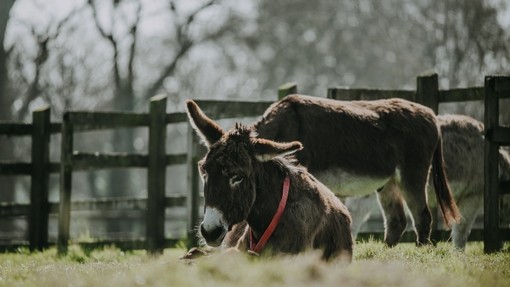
(207, 129)
(266, 150)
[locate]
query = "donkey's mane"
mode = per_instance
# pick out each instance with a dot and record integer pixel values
(241, 130)
(289, 164)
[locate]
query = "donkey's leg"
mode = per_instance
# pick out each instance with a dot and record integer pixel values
(414, 183)
(392, 206)
(360, 209)
(237, 237)
(470, 208)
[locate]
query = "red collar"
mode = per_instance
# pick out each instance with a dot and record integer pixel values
(256, 247)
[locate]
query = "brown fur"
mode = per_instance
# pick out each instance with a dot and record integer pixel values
(388, 143)
(243, 177)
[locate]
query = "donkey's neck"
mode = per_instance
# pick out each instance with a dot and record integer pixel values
(269, 188)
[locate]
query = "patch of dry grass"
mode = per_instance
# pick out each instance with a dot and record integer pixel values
(373, 265)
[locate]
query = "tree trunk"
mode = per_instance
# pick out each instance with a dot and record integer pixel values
(5, 104)
(7, 184)
(120, 180)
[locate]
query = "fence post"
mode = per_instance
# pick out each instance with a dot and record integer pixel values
(193, 187)
(491, 241)
(427, 94)
(332, 93)
(156, 197)
(427, 91)
(287, 89)
(66, 172)
(39, 206)
(343, 94)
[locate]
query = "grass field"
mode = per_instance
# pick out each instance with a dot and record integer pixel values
(373, 265)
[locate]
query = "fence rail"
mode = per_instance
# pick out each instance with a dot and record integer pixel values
(11, 209)
(349, 94)
(461, 95)
(157, 159)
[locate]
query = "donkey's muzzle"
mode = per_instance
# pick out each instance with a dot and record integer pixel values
(213, 237)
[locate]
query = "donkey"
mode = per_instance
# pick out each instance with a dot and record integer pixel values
(357, 147)
(463, 144)
(243, 177)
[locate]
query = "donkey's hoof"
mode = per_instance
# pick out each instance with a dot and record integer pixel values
(194, 253)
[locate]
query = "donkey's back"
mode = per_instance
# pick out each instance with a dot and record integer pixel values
(314, 217)
(361, 138)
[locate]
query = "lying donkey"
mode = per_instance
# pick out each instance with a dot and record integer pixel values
(243, 177)
(463, 145)
(356, 147)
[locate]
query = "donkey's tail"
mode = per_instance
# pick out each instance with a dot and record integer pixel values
(444, 195)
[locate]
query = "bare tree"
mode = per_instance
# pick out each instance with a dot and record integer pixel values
(123, 91)
(124, 77)
(377, 43)
(184, 42)
(43, 41)
(5, 8)
(465, 39)
(7, 192)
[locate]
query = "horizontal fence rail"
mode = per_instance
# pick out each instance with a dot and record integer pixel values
(15, 129)
(349, 94)
(229, 109)
(22, 129)
(11, 209)
(461, 95)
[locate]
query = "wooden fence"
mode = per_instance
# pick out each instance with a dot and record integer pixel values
(157, 158)
(39, 169)
(496, 87)
(156, 161)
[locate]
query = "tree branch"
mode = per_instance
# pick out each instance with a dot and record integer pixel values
(109, 37)
(43, 51)
(170, 68)
(132, 50)
(185, 44)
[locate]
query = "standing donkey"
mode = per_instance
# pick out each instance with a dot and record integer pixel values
(356, 147)
(464, 157)
(243, 177)
(463, 145)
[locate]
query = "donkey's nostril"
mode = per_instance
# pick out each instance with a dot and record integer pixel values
(213, 237)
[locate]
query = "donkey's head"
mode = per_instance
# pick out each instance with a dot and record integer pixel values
(229, 171)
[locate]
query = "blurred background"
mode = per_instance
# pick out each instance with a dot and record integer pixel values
(114, 55)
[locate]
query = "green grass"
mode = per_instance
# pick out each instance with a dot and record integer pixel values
(373, 265)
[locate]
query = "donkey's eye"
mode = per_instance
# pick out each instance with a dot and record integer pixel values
(235, 180)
